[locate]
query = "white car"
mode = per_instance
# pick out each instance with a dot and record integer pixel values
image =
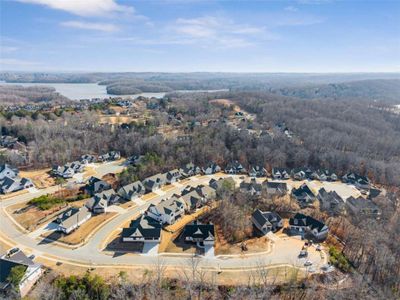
(308, 263)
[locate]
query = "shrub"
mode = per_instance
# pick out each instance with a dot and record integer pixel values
(46, 202)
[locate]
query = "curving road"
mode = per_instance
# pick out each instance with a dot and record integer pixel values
(284, 251)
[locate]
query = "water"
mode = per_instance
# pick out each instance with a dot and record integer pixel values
(77, 91)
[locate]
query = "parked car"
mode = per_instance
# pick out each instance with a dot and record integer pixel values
(303, 253)
(308, 263)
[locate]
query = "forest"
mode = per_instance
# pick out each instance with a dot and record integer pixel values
(328, 130)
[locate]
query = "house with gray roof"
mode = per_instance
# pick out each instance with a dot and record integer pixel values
(257, 171)
(330, 202)
(308, 227)
(235, 167)
(172, 176)
(154, 182)
(14, 258)
(275, 188)
(360, 182)
(97, 205)
(280, 173)
(9, 185)
(201, 234)
(211, 168)
(304, 196)
(251, 187)
(95, 185)
(72, 219)
(362, 207)
(109, 195)
(167, 211)
(266, 221)
(8, 171)
(189, 170)
(132, 191)
(142, 229)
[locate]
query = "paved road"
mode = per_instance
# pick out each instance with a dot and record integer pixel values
(283, 252)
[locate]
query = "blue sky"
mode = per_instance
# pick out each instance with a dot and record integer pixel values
(179, 35)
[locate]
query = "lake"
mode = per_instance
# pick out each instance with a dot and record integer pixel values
(77, 91)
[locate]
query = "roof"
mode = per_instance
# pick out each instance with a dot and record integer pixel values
(331, 197)
(143, 227)
(306, 221)
(251, 185)
(8, 262)
(73, 218)
(152, 180)
(276, 185)
(266, 217)
(166, 206)
(133, 188)
(362, 204)
(198, 230)
(302, 191)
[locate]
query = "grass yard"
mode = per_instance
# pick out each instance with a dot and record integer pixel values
(83, 232)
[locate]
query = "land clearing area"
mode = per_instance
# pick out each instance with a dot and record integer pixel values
(40, 178)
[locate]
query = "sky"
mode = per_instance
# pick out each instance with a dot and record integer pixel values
(195, 35)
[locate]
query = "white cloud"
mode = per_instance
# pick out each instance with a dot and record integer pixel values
(17, 62)
(105, 27)
(84, 7)
(8, 49)
(216, 32)
(291, 8)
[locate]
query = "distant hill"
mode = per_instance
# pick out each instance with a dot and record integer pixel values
(16, 94)
(387, 90)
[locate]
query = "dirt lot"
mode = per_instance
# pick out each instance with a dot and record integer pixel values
(254, 245)
(11, 195)
(41, 178)
(30, 216)
(85, 230)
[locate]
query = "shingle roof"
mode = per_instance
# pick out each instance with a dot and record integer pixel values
(306, 221)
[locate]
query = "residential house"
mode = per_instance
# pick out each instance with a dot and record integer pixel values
(63, 171)
(154, 182)
(172, 176)
(72, 219)
(373, 193)
(362, 207)
(235, 168)
(257, 171)
(135, 159)
(302, 173)
(266, 221)
(109, 195)
(97, 205)
(132, 191)
(280, 173)
(193, 200)
(252, 187)
(189, 170)
(361, 182)
(142, 229)
(110, 156)
(167, 211)
(211, 168)
(32, 271)
(218, 184)
(308, 227)
(199, 233)
(275, 188)
(304, 196)
(9, 185)
(8, 171)
(95, 186)
(330, 202)
(326, 175)
(88, 159)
